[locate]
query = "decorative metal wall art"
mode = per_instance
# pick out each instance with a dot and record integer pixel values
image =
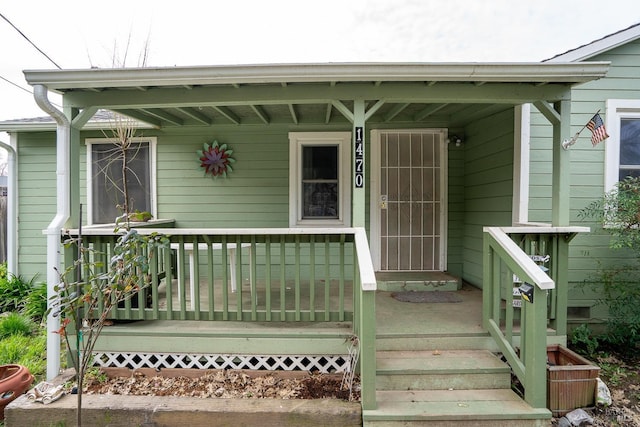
(216, 159)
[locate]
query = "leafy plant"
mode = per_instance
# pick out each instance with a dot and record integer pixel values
(24, 350)
(13, 291)
(16, 324)
(619, 213)
(35, 302)
(84, 304)
(583, 340)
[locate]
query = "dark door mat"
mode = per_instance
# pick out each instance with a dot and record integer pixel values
(426, 296)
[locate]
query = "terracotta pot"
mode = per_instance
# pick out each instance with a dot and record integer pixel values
(14, 380)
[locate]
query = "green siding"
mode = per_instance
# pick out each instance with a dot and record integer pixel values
(587, 251)
(37, 200)
(455, 213)
(488, 184)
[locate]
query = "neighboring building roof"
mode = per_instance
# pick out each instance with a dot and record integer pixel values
(596, 47)
(100, 120)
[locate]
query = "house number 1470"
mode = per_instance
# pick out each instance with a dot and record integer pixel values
(359, 158)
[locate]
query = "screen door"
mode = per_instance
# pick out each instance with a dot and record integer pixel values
(410, 201)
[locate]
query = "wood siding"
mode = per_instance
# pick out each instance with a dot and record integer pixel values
(587, 251)
(488, 185)
(254, 195)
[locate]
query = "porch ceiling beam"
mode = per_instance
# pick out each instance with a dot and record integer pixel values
(343, 109)
(548, 112)
(327, 116)
(395, 111)
(261, 113)
(294, 114)
(164, 115)
(196, 115)
(139, 115)
(302, 94)
(474, 112)
(428, 111)
(372, 110)
(227, 113)
(83, 117)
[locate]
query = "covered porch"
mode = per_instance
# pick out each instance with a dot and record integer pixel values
(468, 205)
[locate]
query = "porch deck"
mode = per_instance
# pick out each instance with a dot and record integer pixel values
(395, 321)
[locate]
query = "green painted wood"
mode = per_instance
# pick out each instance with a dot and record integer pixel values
(492, 178)
(586, 163)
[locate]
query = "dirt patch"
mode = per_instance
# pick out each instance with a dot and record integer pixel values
(220, 384)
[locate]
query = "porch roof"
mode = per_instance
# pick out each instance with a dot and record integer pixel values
(435, 94)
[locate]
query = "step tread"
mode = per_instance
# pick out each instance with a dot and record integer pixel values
(440, 361)
(452, 404)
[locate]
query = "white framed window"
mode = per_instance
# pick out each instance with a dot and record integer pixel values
(319, 179)
(622, 148)
(105, 194)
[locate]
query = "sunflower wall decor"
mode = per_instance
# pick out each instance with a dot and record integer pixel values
(216, 159)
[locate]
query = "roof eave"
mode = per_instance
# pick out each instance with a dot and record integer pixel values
(599, 46)
(62, 80)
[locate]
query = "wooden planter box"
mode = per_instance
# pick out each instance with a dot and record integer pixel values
(571, 381)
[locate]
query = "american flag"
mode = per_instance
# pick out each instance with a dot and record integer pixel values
(598, 131)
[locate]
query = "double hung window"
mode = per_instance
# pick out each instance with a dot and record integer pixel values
(106, 181)
(319, 186)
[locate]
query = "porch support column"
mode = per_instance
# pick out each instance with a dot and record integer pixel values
(74, 167)
(561, 166)
(559, 115)
(358, 172)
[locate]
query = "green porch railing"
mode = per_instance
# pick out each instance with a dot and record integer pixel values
(266, 275)
(519, 252)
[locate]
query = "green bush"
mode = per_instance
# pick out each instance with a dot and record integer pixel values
(618, 212)
(16, 324)
(35, 304)
(20, 295)
(28, 351)
(13, 292)
(583, 340)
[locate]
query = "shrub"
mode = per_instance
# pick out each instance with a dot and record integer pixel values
(28, 351)
(13, 292)
(20, 295)
(619, 214)
(16, 324)
(35, 304)
(583, 340)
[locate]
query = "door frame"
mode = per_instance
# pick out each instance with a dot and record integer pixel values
(374, 182)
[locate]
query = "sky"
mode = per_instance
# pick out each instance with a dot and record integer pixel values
(82, 34)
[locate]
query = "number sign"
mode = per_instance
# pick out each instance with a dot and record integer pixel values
(359, 158)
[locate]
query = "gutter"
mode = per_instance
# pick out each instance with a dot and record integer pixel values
(53, 231)
(12, 209)
(62, 80)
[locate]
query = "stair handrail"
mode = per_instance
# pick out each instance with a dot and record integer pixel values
(529, 361)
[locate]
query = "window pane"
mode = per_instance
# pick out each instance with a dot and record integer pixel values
(630, 142)
(108, 195)
(320, 162)
(320, 200)
(320, 181)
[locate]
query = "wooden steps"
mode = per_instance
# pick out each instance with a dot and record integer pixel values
(457, 382)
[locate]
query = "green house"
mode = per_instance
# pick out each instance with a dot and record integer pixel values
(594, 169)
(350, 182)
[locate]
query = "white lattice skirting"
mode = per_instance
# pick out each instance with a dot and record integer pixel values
(322, 364)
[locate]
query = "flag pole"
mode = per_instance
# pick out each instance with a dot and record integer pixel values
(569, 142)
